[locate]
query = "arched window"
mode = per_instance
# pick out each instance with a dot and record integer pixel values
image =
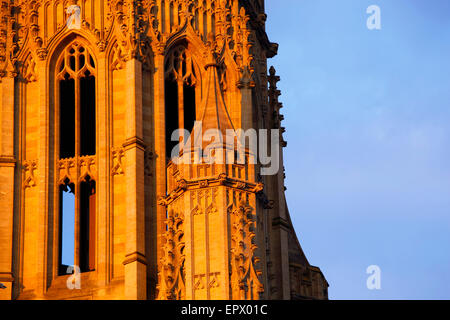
(76, 148)
(76, 80)
(180, 83)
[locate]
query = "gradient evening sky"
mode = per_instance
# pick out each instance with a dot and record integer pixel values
(368, 130)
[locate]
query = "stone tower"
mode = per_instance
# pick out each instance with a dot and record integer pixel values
(90, 94)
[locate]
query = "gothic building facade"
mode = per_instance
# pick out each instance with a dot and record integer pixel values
(90, 94)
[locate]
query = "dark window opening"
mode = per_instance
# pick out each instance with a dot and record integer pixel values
(171, 92)
(87, 118)
(87, 225)
(180, 95)
(72, 63)
(189, 107)
(67, 118)
(82, 61)
(91, 60)
(77, 133)
(66, 227)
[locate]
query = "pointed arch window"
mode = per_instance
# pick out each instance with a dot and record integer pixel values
(76, 81)
(75, 85)
(180, 92)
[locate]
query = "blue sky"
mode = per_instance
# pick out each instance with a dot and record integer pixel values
(368, 130)
(68, 221)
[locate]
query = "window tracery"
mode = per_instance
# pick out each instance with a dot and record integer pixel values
(75, 84)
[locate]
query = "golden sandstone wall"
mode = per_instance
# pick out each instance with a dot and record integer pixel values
(163, 231)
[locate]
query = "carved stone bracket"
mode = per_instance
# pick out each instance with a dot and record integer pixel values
(199, 282)
(214, 280)
(82, 167)
(29, 168)
(87, 168)
(66, 169)
(117, 158)
(29, 72)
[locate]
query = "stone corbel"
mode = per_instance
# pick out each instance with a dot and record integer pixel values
(117, 163)
(29, 168)
(64, 167)
(135, 257)
(86, 165)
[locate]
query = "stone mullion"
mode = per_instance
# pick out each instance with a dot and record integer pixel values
(77, 117)
(56, 199)
(76, 178)
(77, 217)
(180, 103)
